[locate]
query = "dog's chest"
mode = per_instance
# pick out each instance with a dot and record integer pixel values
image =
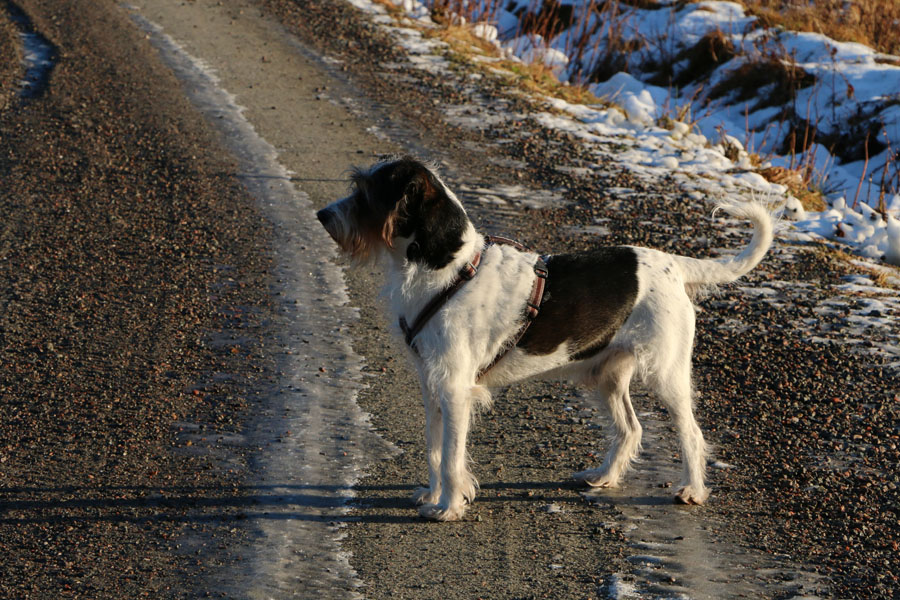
(484, 314)
(493, 303)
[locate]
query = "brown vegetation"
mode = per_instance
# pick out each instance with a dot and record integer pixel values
(712, 50)
(533, 77)
(536, 77)
(761, 72)
(799, 184)
(869, 22)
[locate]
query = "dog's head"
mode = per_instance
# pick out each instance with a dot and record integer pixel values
(401, 206)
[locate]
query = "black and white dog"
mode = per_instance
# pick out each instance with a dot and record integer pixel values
(602, 316)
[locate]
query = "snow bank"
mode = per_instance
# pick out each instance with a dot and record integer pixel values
(856, 90)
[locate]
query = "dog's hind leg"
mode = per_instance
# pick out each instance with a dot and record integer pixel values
(457, 485)
(612, 380)
(433, 441)
(673, 385)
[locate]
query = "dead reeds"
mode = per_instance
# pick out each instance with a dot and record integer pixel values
(599, 40)
(869, 22)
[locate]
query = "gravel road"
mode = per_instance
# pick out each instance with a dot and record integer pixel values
(124, 244)
(129, 244)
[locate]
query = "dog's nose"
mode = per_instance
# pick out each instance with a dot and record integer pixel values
(325, 216)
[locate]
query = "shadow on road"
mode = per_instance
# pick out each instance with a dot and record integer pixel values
(139, 504)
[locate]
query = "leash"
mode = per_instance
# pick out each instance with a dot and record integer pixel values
(468, 271)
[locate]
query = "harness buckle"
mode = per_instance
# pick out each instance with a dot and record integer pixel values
(540, 267)
(468, 271)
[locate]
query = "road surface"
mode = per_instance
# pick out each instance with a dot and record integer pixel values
(199, 399)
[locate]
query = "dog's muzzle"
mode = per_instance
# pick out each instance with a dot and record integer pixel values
(329, 221)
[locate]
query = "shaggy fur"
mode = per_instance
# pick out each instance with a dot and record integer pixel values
(605, 316)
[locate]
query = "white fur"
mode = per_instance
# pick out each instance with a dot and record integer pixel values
(469, 331)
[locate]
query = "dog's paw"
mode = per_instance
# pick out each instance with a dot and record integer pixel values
(435, 512)
(691, 495)
(596, 478)
(424, 495)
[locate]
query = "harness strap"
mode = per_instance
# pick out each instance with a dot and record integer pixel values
(465, 274)
(469, 270)
(532, 307)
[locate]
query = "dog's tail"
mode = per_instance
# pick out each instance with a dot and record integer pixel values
(702, 272)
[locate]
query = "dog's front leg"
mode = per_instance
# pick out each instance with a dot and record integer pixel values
(433, 437)
(457, 485)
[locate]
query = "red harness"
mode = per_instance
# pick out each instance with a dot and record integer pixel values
(469, 270)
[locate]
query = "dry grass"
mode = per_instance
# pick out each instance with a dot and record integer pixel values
(460, 39)
(392, 9)
(532, 78)
(881, 278)
(763, 71)
(704, 57)
(537, 78)
(797, 182)
(838, 259)
(869, 22)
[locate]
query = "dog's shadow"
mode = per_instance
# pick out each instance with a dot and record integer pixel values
(373, 500)
(372, 503)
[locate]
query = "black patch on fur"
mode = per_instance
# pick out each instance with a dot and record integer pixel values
(425, 211)
(587, 298)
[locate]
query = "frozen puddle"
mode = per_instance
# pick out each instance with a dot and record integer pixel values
(674, 551)
(313, 439)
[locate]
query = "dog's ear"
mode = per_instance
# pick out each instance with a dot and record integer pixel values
(434, 220)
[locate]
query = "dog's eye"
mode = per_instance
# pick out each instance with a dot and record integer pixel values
(413, 251)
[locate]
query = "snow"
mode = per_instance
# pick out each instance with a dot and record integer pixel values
(873, 236)
(512, 195)
(654, 149)
(38, 56)
(708, 144)
(641, 102)
(619, 589)
(851, 80)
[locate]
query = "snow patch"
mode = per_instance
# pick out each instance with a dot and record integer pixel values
(850, 80)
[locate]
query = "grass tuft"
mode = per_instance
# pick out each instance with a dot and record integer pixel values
(712, 50)
(838, 259)
(776, 74)
(535, 77)
(532, 77)
(869, 22)
(796, 181)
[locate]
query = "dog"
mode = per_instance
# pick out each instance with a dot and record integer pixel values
(479, 320)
